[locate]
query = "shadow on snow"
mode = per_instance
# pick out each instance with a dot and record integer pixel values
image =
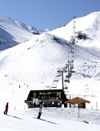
(49, 121)
(15, 117)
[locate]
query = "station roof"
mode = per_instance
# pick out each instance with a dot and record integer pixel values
(77, 100)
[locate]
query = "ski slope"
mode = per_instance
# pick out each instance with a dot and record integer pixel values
(32, 63)
(51, 119)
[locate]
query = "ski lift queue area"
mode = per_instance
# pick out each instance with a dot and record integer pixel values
(49, 98)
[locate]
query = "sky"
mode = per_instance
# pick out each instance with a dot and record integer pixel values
(47, 14)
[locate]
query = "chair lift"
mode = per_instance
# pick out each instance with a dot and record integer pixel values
(54, 86)
(67, 80)
(69, 75)
(66, 87)
(71, 67)
(58, 75)
(72, 71)
(56, 80)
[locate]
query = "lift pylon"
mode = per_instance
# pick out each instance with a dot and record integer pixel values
(66, 72)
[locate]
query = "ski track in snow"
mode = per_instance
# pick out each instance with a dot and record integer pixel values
(51, 119)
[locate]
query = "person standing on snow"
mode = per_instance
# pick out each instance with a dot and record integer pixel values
(6, 109)
(40, 111)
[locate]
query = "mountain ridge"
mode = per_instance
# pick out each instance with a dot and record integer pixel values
(13, 33)
(87, 24)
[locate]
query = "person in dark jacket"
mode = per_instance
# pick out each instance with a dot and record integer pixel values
(6, 109)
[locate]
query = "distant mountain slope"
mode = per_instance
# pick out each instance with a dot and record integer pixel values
(90, 25)
(37, 60)
(14, 32)
(33, 65)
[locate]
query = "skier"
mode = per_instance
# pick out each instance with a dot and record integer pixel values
(6, 109)
(40, 111)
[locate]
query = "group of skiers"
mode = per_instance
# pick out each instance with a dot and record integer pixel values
(39, 114)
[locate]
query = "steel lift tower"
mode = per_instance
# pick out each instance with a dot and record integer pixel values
(66, 72)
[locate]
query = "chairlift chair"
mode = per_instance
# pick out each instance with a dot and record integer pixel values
(58, 75)
(72, 71)
(66, 87)
(56, 80)
(54, 87)
(69, 75)
(67, 81)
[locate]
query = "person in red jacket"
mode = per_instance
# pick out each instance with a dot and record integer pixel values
(6, 109)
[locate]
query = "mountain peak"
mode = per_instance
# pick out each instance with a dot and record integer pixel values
(90, 25)
(13, 32)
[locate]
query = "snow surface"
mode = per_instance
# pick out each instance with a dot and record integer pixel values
(33, 64)
(13, 32)
(52, 119)
(90, 25)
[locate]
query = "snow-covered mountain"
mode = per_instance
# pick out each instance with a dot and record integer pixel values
(90, 25)
(33, 64)
(14, 32)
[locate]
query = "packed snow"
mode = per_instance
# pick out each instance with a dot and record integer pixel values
(33, 63)
(51, 119)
